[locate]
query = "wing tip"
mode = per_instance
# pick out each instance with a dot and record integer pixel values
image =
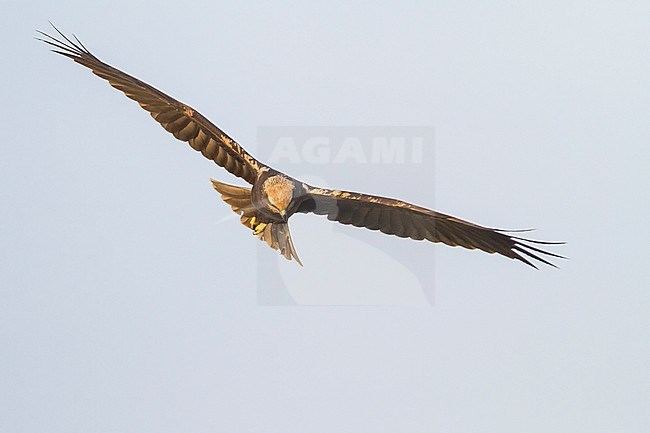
(530, 251)
(66, 46)
(521, 245)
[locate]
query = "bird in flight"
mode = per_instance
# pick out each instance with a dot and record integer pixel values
(266, 206)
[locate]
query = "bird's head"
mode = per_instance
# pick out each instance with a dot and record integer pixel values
(279, 191)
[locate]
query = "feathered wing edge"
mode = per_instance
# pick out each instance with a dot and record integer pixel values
(395, 217)
(275, 234)
(185, 123)
(521, 246)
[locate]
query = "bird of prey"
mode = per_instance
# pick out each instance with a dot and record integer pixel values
(266, 206)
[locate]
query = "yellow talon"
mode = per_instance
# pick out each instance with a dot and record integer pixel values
(260, 228)
(252, 222)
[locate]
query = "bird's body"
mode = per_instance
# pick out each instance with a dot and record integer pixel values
(266, 206)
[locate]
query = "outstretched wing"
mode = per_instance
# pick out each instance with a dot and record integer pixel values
(181, 120)
(395, 217)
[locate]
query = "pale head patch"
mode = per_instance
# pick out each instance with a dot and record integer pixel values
(279, 191)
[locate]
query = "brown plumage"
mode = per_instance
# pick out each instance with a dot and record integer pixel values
(274, 197)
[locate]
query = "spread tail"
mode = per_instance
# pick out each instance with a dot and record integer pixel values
(278, 237)
(275, 234)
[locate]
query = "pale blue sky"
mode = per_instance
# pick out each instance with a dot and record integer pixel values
(129, 305)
